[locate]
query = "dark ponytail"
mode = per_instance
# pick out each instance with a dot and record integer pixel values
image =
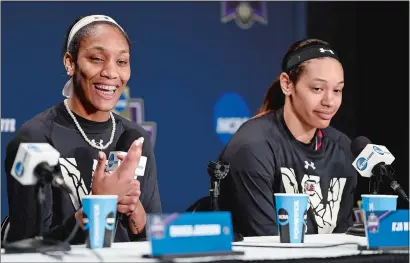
(274, 97)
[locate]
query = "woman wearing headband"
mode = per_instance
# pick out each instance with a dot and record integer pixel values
(84, 130)
(289, 147)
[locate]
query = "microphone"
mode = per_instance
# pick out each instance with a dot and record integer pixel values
(217, 171)
(375, 160)
(372, 161)
(123, 145)
(37, 163)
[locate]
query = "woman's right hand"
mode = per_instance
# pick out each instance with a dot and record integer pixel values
(119, 182)
(79, 217)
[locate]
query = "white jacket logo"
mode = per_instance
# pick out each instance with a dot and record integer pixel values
(311, 164)
(100, 143)
(325, 212)
(73, 179)
(322, 50)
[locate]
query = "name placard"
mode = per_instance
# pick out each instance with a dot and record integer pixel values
(190, 233)
(387, 228)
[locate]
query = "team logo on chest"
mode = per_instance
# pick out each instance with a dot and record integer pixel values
(311, 165)
(325, 208)
(310, 187)
(100, 143)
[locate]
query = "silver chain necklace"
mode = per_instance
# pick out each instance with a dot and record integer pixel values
(92, 143)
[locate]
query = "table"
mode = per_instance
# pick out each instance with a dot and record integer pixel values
(255, 249)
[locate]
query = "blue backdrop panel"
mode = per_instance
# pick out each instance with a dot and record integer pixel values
(184, 59)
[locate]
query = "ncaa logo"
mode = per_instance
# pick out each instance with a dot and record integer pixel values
(283, 216)
(361, 163)
(378, 150)
(111, 160)
(33, 148)
(230, 112)
(19, 169)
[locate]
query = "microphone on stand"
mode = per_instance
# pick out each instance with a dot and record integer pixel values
(36, 164)
(373, 162)
(218, 171)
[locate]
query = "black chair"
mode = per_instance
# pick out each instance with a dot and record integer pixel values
(202, 205)
(5, 227)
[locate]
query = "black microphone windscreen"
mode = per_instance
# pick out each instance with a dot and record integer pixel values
(126, 139)
(358, 145)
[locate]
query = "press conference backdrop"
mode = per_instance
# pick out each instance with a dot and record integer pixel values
(199, 72)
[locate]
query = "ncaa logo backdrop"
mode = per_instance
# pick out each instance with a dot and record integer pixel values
(188, 60)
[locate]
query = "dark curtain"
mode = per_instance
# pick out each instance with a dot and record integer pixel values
(372, 38)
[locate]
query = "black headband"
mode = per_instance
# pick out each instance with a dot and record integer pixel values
(311, 52)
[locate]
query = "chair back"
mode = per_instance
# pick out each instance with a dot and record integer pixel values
(5, 227)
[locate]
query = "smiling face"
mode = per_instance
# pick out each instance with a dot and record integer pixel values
(317, 95)
(102, 68)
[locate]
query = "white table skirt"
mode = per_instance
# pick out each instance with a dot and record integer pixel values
(252, 246)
